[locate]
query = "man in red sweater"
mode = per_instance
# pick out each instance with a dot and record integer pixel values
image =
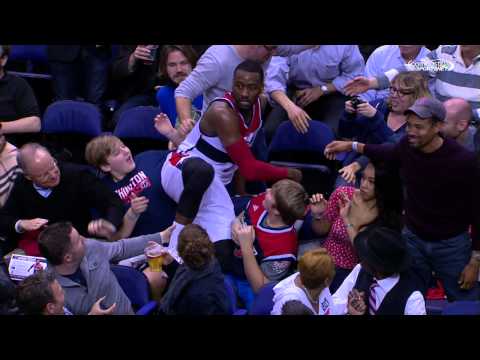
(196, 174)
(442, 199)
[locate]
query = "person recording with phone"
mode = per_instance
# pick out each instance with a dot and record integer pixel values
(135, 75)
(378, 121)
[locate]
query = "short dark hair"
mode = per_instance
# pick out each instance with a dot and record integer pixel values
(251, 66)
(295, 307)
(195, 247)
(5, 50)
(187, 50)
(35, 292)
(54, 242)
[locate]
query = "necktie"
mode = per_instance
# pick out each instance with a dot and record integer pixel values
(372, 301)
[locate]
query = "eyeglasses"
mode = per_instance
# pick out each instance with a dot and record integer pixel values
(399, 92)
(45, 176)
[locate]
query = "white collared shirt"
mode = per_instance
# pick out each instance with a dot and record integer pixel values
(287, 290)
(415, 303)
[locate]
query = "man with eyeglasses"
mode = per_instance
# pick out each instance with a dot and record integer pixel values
(442, 199)
(453, 69)
(49, 192)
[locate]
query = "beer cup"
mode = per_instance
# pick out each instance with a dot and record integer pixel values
(154, 256)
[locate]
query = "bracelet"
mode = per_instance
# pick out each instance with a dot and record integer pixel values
(355, 146)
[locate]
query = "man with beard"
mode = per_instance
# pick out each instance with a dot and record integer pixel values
(196, 174)
(441, 199)
(176, 63)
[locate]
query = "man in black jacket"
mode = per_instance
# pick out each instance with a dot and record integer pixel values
(50, 192)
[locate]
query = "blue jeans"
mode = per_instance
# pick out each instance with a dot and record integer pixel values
(447, 258)
(85, 77)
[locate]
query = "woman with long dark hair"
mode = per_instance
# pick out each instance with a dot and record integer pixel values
(379, 200)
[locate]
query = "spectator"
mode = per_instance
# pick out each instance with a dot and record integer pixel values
(8, 304)
(79, 71)
(135, 73)
(19, 112)
(309, 285)
(441, 186)
(350, 210)
(295, 307)
(315, 81)
(82, 266)
(265, 236)
(213, 74)
(9, 170)
(195, 176)
(198, 285)
(454, 70)
(457, 123)
(49, 191)
(136, 181)
(176, 63)
(387, 57)
(41, 294)
(382, 283)
(379, 121)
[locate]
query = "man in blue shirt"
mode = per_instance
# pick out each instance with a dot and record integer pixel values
(310, 84)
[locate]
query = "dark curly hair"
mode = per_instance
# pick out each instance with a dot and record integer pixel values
(195, 247)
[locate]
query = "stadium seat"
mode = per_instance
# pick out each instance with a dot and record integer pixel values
(136, 129)
(31, 55)
(135, 285)
(67, 127)
(305, 151)
(462, 308)
(263, 302)
(233, 299)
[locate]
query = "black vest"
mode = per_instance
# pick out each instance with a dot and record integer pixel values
(396, 299)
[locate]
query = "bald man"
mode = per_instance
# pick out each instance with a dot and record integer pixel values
(457, 122)
(49, 192)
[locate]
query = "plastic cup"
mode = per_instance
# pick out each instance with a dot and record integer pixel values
(154, 256)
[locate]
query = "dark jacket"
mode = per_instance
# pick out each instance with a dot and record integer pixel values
(197, 292)
(141, 81)
(72, 200)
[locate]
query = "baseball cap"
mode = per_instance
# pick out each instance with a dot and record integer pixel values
(427, 107)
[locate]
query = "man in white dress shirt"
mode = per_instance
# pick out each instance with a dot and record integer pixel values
(382, 283)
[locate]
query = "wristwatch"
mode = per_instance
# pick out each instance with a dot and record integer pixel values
(324, 89)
